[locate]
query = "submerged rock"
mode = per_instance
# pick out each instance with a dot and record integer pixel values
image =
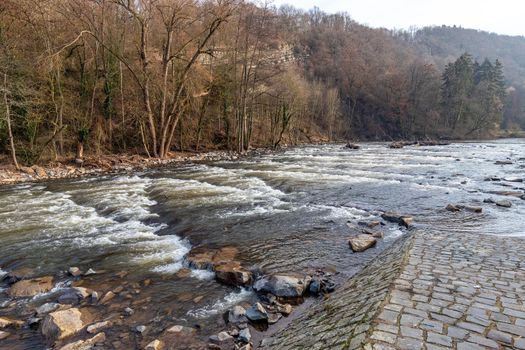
(237, 314)
(87, 344)
(154, 345)
(30, 288)
(361, 243)
(352, 146)
(90, 272)
(206, 259)
(287, 286)
(94, 328)
(452, 208)
(7, 322)
(369, 224)
(473, 209)
(140, 329)
(182, 330)
(62, 324)
(223, 339)
(285, 309)
(504, 204)
(274, 318)
(373, 233)
(233, 273)
(4, 335)
(403, 220)
(73, 296)
(107, 297)
(74, 271)
(46, 308)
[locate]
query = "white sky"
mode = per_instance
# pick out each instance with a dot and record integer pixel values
(500, 16)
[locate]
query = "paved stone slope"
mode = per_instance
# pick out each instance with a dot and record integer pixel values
(429, 291)
(345, 318)
(456, 292)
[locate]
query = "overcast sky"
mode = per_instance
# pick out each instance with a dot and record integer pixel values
(501, 16)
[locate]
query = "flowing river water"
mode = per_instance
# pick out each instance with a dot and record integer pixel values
(285, 212)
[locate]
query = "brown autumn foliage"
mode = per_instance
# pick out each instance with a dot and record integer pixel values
(153, 76)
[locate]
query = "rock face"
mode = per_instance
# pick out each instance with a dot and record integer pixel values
(361, 242)
(62, 324)
(30, 288)
(403, 220)
(287, 286)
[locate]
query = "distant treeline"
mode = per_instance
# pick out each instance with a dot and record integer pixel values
(154, 76)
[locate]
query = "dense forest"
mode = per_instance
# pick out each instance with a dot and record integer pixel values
(155, 76)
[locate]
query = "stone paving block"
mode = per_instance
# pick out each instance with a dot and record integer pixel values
(483, 341)
(409, 344)
(430, 325)
(439, 339)
(509, 328)
(499, 336)
(457, 333)
(471, 327)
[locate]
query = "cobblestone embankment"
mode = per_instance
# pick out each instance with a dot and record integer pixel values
(344, 319)
(430, 291)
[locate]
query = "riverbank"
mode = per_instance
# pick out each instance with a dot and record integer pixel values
(117, 163)
(110, 164)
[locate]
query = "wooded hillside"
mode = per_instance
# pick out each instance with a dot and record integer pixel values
(153, 76)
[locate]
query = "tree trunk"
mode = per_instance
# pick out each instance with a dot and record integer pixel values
(9, 129)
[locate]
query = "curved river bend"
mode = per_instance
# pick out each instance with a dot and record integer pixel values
(286, 212)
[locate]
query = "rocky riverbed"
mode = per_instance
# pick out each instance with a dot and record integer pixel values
(239, 253)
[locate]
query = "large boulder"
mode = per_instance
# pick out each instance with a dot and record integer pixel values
(361, 243)
(62, 324)
(206, 259)
(233, 273)
(257, 313)
(30, 288)
(286, 286)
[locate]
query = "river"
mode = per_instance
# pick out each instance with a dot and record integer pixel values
(285, 212)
